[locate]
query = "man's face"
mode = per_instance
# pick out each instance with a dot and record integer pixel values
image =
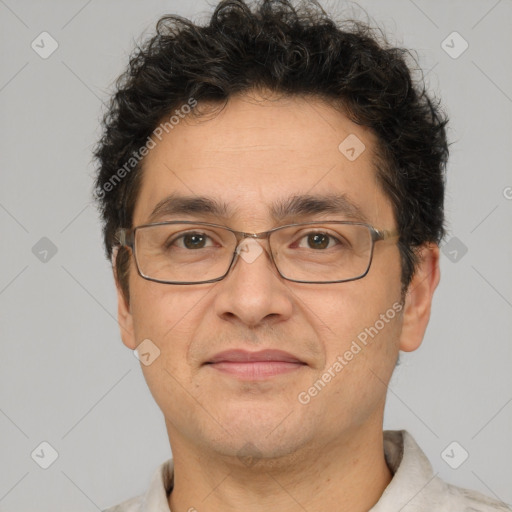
(252, 155)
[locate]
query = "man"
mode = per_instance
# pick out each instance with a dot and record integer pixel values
(272, 188)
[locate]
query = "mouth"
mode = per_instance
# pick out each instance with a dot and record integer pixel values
(255, 365)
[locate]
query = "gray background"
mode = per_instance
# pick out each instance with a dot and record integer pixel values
(66, 378)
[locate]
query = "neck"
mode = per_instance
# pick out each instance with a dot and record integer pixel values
(349, 475)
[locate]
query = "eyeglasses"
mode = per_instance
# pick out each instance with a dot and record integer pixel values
(186, 252)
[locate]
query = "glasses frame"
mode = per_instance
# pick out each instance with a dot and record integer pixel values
(126, 238)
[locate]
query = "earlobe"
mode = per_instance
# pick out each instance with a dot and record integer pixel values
(418, 299)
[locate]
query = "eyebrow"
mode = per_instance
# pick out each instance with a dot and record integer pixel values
(295, 206)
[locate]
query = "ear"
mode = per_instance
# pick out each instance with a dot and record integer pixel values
(124, 315)
(418, 299)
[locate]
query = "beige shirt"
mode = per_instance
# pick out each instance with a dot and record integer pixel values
(414, 487)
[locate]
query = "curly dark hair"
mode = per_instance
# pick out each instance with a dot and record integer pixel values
(290, 50)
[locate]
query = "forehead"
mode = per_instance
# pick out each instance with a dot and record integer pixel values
(256, 152)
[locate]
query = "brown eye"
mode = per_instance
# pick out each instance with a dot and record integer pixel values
(194, 241)
(318, 241)
(190, 241)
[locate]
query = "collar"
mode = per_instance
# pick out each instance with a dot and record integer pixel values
(414, 487)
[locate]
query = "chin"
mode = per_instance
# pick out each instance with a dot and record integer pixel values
(261, 434)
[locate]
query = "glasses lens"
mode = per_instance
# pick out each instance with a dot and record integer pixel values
(193, 253)
(183, 252)
(322, 252)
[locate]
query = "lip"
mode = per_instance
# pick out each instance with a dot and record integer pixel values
(244, 356)
(255, 365)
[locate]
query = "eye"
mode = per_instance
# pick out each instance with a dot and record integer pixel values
(317, 241)
(192, 240)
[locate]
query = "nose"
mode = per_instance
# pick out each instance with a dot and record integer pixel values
(253, 292)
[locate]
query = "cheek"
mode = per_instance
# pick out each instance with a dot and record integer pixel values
(358, 310)
(168, 317)
(159, 310)
(360, 350)
(360, 321)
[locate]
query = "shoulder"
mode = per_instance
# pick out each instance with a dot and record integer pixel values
(131, 505)
(155, 498)
(416, 488)
(473, 501)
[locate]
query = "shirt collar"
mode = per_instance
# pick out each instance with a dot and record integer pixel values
(156, 497)
(412, 474)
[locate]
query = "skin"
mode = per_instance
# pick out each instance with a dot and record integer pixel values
(252, 446)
